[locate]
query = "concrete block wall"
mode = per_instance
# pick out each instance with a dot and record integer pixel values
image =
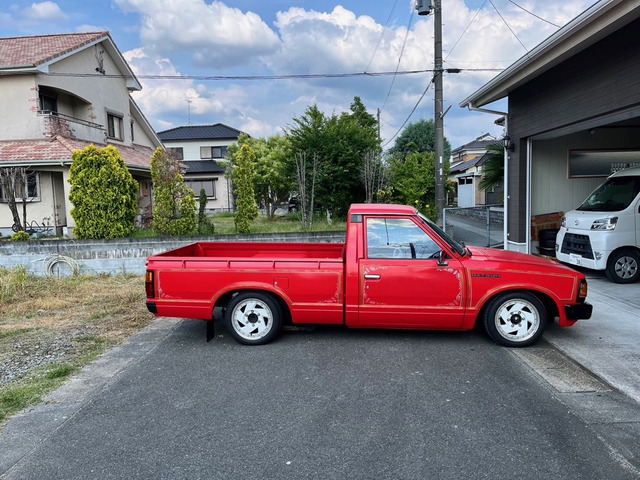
(121, 256)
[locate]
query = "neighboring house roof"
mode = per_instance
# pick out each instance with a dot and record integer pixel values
(203, 166)
(219, 131)
(591, 26)
(474, 162)
(477, 144)
(36, 53)
(58, 151)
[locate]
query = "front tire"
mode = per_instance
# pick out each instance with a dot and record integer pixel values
(623, 267)
(515, 319)
(253, 318)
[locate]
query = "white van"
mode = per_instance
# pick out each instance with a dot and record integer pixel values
(604, 232)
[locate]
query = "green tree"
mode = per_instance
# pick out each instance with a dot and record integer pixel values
(243, 177)
(103, 193)
(338, 145)
(272, 180)
(413, 182)
(174, 203)
(419, 137)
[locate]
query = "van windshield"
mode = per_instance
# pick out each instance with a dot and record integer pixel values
(614, 195)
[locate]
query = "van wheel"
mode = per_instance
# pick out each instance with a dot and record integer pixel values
(253, 318)
(515, 319)
(623, 266)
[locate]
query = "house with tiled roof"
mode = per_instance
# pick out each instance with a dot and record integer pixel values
(467, 162)
(203, 149)
(61, 93)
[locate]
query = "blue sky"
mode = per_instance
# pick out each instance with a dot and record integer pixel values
(194, 39)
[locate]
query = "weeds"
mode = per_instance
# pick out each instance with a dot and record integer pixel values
(12, 282)
(77, 318)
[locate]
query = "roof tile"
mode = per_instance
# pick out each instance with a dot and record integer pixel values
(36, 50)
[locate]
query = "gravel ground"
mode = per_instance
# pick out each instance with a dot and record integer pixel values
(23, 354)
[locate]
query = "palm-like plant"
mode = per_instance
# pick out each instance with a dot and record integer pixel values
(493, 172)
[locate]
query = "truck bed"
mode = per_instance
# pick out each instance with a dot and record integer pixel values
(266, 250)
(308, 275)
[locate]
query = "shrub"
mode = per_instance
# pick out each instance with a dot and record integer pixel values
(103, 193)
(174, 208)
(205, 227)
(21, 236)
(243, 180)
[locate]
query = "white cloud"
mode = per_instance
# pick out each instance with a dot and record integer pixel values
(214, 34)
(44, 11)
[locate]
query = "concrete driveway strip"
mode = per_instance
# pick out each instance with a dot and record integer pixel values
(31, 428)
(608, 344)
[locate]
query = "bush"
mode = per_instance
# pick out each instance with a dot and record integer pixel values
(174, 208)
(21, 236)
(103, 193)
(205, 227)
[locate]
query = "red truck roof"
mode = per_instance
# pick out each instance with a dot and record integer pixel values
(381, 209)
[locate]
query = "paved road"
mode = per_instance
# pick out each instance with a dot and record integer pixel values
(330, 404)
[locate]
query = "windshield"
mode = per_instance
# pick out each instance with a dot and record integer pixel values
(455, 245)
(614, 195)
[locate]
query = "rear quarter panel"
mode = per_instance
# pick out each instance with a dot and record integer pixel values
(190, 288)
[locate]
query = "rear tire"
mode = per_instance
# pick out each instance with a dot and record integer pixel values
(515, 319)
(253, 318)
(623, 266)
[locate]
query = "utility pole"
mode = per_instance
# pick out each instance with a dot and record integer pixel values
(438, 115)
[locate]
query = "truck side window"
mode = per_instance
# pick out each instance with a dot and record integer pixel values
(398, 238)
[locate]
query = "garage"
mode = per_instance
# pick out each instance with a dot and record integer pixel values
(573, 117)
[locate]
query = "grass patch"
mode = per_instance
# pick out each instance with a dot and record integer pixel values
(15, 333)
(73, 320)
(224, 224)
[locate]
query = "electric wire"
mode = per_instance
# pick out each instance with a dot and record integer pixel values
(509, 27)
(410, 114)
(393, 79)
(261, 77)
(533, 14)
(381, 35)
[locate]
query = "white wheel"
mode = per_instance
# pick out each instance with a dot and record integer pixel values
(515, 319)
(253, 318)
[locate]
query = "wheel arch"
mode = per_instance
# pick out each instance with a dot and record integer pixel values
(550, 304)
(223, 300)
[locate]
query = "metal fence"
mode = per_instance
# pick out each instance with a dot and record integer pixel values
(481, 226)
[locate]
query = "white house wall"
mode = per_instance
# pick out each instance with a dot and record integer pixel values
(18, 120)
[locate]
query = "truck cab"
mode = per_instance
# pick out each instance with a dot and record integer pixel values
(604, 232)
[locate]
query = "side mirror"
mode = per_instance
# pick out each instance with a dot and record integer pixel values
(442, 258)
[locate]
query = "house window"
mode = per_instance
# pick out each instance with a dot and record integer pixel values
(208, 184)
(177, 153)
(33, 189)
(114, 126)
(213, 152)
(132, 129)
(48, 104)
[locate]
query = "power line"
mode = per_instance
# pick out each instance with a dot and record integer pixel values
(399, 59)
(510, 29)
(381, 35)
(264, 77)
(410, 114)
(533, 14)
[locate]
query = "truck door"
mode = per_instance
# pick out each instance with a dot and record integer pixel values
(402, 283)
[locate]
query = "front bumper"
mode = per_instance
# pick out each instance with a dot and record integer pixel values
(581, 311)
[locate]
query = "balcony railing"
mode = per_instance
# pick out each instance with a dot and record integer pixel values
(57, 123)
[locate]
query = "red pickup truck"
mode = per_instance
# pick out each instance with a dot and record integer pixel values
(396, 269)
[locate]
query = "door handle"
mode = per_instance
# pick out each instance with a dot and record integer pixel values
(372, 277)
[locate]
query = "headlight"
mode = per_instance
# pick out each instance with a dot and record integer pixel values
(564, 221)
(604, 224)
